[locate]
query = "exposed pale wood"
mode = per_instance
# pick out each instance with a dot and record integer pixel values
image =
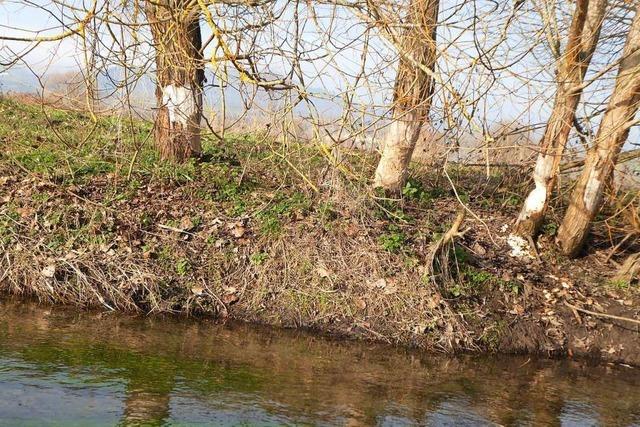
(583, 37)
(177, 40)
(586, 198)
(412, 96)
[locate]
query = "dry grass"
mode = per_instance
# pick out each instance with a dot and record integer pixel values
(242, 234)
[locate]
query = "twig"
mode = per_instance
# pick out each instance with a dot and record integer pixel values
(177, 230)
(608, 316)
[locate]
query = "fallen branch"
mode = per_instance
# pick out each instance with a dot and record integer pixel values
(174, 229)
(624, 157)
(607, 316)
(438, 263)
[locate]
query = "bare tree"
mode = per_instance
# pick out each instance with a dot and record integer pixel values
(582, 39)
(586, 198)
(412, 94)
(177, 41)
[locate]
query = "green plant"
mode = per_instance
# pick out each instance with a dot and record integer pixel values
(393, 240)
(414, 190)
(477, 277)
(513, 200)
(550, 228)
(271, 219)
(258, 258)
(619, 284)
(183, 267)
(327, 212)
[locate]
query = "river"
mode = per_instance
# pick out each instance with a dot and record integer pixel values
(59, 366)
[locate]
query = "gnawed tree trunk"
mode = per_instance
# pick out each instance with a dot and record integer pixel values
(586, 198)
(583, 37)
(630, 270)
(412, 95)
(175, 27)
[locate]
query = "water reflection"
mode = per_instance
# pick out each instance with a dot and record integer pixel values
(63, 367)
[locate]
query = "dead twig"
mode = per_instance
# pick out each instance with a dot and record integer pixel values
(604, 315)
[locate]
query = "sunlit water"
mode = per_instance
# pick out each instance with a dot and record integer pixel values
(62, 367)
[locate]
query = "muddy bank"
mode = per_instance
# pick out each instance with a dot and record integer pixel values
(243, 235)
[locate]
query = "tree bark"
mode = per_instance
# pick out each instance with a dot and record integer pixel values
(583, 38)
(175, 28)
(412, 95)
(586, 198)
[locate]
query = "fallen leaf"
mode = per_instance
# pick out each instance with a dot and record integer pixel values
(361, 304)
(323, 272)
(517, 310)
(49, 271)
(379, 284)
(230, 298)
(478, 249)
(238, 231)
(186, 224)
(420, 328)
(230, 289)
(433, 302)
(390, 289)
(351, 230)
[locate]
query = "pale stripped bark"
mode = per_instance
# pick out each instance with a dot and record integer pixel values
(177, 40)
(412, 96)
(583, 38)
(586, 198)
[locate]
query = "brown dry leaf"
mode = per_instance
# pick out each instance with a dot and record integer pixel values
(323, 272)
(361, 303)
(230, 298)
(517, 310)
(25, 212)
(390, 289)
(433, 302)
(379, 284)
(420, 328)
(238, 231)
(197, 290)
(351, 230)
(49, 271)
(186, 224)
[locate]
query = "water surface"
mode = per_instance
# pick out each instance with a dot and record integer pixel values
(63, 367)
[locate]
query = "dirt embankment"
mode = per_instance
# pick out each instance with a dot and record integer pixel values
(243, 235)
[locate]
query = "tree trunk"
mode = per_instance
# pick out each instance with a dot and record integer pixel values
(412, 95)
(175, 28)
(583, 37)
(586, 198)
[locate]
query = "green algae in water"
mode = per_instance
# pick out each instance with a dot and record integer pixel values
(60, 367)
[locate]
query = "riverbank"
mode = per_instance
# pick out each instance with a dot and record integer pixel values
(269, 233)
